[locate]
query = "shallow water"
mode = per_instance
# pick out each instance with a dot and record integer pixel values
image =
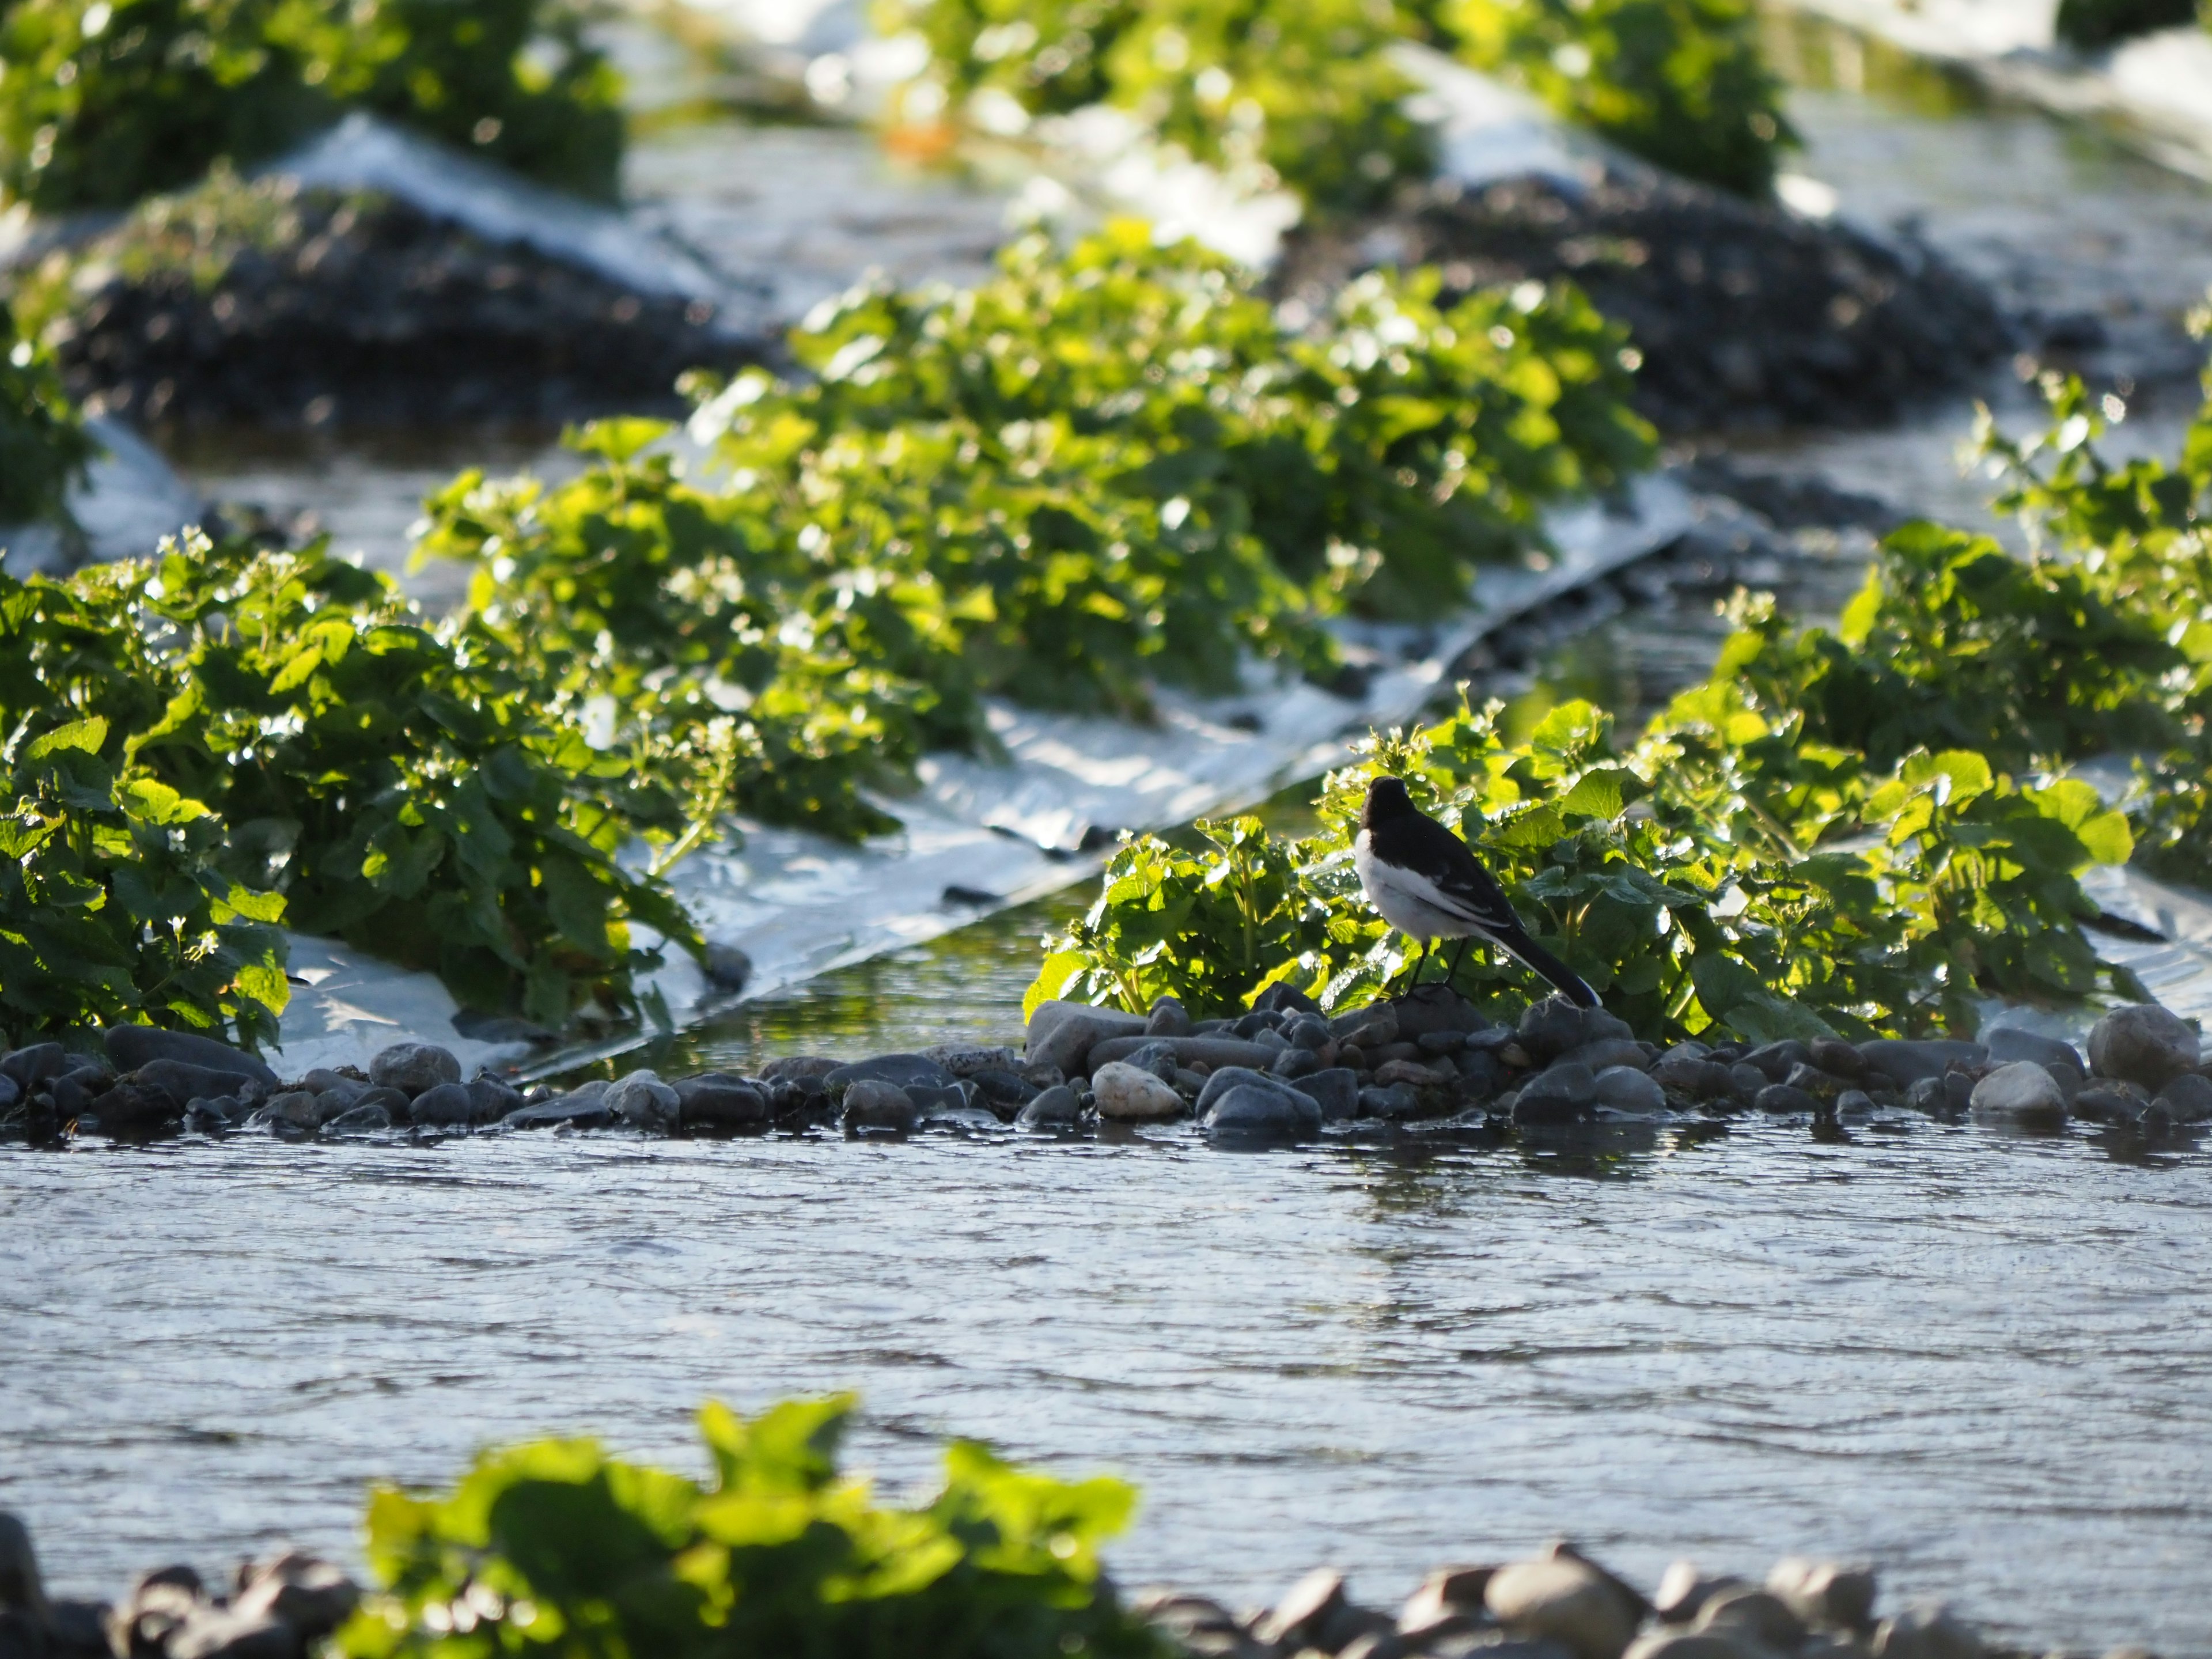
(1975, 1359)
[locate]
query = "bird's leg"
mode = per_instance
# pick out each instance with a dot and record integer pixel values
(1420, 961)
(1458, 957)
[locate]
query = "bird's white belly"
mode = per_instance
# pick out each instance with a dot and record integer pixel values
(1400, 900)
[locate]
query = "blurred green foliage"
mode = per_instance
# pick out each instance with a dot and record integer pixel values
(1680, 83)
(104, 102)
(1309, 95)
(555, 1548)
(1273, 93)
(43, 443)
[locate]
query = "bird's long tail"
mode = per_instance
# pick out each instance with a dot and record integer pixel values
(1564, 979)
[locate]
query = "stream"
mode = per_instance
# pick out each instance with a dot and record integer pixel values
(1975, 1360)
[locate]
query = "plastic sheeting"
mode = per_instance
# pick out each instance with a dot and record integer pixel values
(361, 152)
(129, 498)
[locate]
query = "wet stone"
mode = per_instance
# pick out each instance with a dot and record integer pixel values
(1627, 1089)
(1555, 1026)
(1310, 1032)
(718, 1100)
(2188, 1098)
(447, 1106)
(1608, 1051)
(1168, 1017)
(1256, 1111)
(1784, 1098)
(128, 1109)
(1283, 998)
(582, 1107)
(2007, 1043)
(873, 1103)
(2022, 1094)
(1566, 1599)
(359, 1120)
(906, 1071)
(2142, 1043)
(129, 1047)
(965, 1059)
(1062, 1033)
(1393, 1104)
(1006, 1090)
(798, 1068)
(1756, 1615)
(1778, 1059)
(1129, 1094)
(27, 1067)
(1296, 1062)
(414, 1068)
(1056, 1108)
(1902, 1062)
(642, 1101)
(1825, 1593)
(1836, 1058)
(1336, 1089)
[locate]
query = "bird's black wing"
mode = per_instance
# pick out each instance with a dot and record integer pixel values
(1423, 847)
(1420, 845)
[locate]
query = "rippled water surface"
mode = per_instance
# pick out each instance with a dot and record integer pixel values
(1979, 1359)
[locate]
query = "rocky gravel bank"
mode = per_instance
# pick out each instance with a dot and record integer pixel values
(1559, 1604)
(1284, 1072)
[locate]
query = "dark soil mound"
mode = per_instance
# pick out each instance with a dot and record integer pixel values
(375, 315)
(1745, 315)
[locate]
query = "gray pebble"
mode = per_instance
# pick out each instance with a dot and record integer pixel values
(414, 1068)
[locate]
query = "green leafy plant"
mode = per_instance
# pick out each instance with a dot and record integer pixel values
(1379, 455)
(1679, 82)
(1309, 95)
(1718, 876)
(515, 81)
(114, 907)
(402, 787)
(43, 443)
(1272, 94)
(556, 1548)
(103, 102)
(1110, 468)
(750, 675)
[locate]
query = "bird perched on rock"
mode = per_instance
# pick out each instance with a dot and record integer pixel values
(1426, 882)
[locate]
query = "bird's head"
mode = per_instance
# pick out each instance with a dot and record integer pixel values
(1386, 799)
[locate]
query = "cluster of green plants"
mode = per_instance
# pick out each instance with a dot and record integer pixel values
(1679, 82)
(104, 102)
(1308, 95)
(43, 443)
(226, 732)
(556, 1548)
(2092, 25)
(1108, 468)
(1864, 829)
(113, 907)
(1274, 94)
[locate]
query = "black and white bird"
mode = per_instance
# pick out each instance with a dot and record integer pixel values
(1426, 882)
